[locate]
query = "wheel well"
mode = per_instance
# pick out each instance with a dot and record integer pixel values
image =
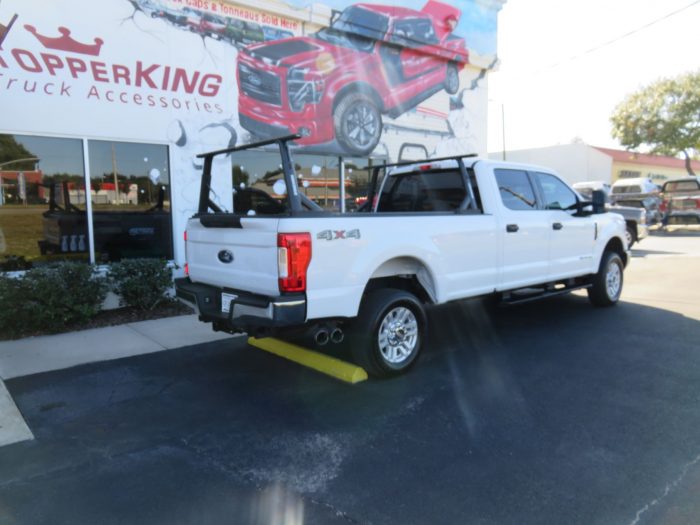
(615, 245)
(404, 273)
(359, 87)
(408, 283)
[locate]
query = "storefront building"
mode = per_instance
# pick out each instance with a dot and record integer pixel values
(105, 105)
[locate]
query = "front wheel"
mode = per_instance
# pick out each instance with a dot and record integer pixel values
(388, 334)
(357, 123)
(607, 283)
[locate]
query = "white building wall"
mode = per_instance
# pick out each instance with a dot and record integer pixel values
(574, 162)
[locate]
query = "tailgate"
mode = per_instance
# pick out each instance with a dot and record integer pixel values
(242, 258)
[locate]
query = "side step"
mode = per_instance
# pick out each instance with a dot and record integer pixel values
(526, 295)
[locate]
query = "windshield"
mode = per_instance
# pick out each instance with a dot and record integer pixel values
(356, 28)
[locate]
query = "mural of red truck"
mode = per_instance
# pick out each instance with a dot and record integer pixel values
(336, 84)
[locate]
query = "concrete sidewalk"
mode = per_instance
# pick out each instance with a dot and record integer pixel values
(54, 352)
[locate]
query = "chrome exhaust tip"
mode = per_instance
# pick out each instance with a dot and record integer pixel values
(337, 335)
(322, 337)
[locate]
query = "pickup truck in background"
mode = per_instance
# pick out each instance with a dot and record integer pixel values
(337, 83)
(636, 217)
(433, 231)
(680, 201)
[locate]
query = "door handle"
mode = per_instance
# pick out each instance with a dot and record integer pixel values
(557, 226)
(512, 228)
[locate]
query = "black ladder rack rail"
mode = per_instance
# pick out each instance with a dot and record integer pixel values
(205, 203)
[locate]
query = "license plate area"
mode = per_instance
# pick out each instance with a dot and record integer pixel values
(227, 299)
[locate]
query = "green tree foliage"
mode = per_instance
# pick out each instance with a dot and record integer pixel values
(663, 116)
(10, 149)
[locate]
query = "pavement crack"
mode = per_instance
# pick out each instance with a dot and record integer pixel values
(338, 513)
(667, 490)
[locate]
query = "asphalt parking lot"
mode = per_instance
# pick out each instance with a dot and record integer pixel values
(549, 412)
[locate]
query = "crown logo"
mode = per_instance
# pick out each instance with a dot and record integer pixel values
(66, 43)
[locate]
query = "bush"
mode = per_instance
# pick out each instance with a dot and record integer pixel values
(141, 283)
(14, 263)
(48, 298)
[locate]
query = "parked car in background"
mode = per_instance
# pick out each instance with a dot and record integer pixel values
(174, 16)
(242, 33)
(638, 193)
(272, 33)
(636, 217)
(680, 201)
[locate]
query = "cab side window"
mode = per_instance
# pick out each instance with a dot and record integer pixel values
(516, 190)
(557, 195)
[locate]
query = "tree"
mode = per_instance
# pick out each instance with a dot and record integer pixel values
(664, 116)
(10, 149)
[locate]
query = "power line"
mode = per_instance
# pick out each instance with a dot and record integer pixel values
(621, 37)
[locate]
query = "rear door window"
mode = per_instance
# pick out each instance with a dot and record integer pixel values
(423, 192)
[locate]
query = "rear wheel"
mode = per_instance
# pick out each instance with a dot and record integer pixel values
(607, 283)
(387, 336)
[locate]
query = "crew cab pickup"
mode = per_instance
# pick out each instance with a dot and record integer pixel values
(337, 83)
(681, 201)
(431, 232)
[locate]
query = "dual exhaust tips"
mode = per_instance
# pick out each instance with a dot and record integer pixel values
(323, 336)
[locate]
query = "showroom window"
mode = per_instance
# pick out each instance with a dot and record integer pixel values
(45, 210)
(130, 194)
(42, 201)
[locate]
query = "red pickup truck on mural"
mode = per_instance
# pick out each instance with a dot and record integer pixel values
(337, 83)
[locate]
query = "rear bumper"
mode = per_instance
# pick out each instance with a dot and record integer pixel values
(683, 217)
(248, 313)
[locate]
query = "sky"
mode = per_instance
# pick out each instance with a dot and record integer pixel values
(549, 90)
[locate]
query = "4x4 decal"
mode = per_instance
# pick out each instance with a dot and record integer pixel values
(332, 235)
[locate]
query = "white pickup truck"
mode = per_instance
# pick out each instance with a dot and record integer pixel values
(432, 231)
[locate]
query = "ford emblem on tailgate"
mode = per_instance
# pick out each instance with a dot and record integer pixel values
(225, 256)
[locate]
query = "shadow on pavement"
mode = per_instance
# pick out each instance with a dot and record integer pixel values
(547, 412)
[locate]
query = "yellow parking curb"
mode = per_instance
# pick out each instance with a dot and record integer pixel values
(322, 363)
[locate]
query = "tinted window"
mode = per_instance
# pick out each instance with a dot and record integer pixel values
(626, 189)
(689, 185)
(414, 32)
(557, 195)
(516, 190)
(424, 191)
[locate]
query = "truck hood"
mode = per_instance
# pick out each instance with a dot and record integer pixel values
(303, 51)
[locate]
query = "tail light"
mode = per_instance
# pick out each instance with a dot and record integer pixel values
(697, 203)
(293, 258)
(662, 207)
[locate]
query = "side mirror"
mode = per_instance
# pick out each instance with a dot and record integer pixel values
(598, 201)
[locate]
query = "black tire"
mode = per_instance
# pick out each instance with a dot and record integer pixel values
(378, 311)
(452, 79)
(607, 283)
(357, 123)
(631, 234)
